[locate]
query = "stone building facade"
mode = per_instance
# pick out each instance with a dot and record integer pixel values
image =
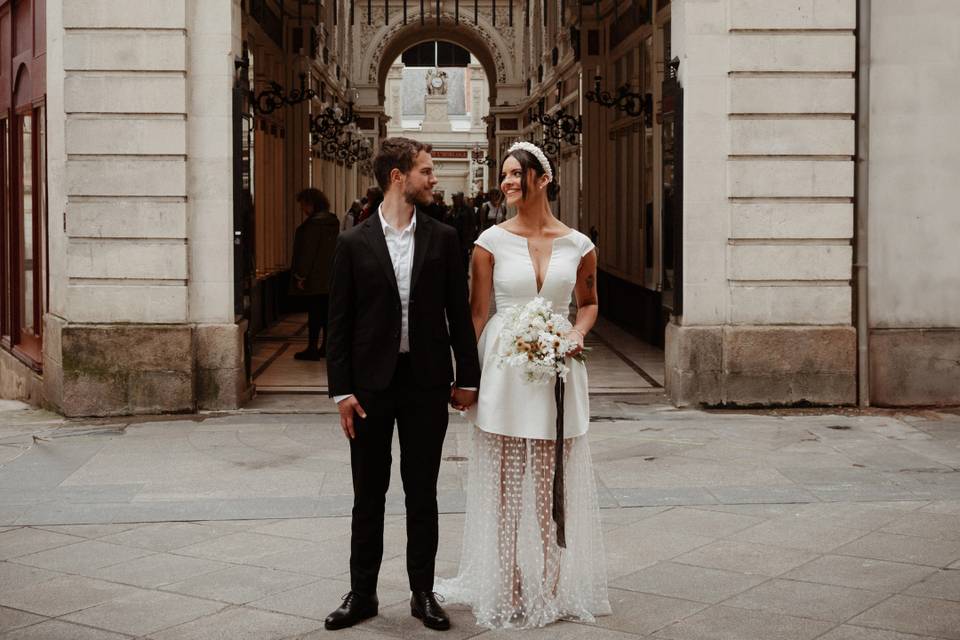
(779, 213)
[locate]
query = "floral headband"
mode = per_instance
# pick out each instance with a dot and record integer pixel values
(537, 153)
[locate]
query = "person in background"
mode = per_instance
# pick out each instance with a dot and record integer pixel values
(437, 209)
(352, 215)
(374, 198)
(494, 211)
(463, 219)
(313, 245)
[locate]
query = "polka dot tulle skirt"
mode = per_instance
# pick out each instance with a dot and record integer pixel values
(512, 572)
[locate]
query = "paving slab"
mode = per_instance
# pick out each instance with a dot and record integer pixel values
(60, 630)
(143, 612)
(943, 584)
(749, 558)
(239, 584)
(698, 584)
(805, 536)
(807, 600)
(898, 548)
(240, 624)
(82, 557)
(17, 576)
(851, 632)
(13, 619)
(645, 613)
(728, 623)
(62, 595)
(163, 536)
(23, 541)
(150, 572)
(907, 614)
(861, 573)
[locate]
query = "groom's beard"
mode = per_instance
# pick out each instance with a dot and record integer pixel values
(422, 197)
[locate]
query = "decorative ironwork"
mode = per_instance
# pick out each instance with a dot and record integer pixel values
(269, 100)
(558, 128)
(479, 156)
(349, 149)
(330, 122)
(632, 103)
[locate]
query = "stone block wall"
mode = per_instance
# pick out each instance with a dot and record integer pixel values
(769, 100)
(141, 202)
(913, 159)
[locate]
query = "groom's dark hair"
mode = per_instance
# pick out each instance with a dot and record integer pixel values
(396, 153)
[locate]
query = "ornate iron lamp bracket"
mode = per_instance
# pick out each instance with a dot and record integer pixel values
(632, 103)
(269, 100)
(330, 122)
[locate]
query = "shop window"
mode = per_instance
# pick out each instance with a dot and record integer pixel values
(23, 177)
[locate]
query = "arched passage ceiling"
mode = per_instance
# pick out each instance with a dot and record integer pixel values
(474, 38)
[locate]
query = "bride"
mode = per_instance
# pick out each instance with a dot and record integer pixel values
(513, 572)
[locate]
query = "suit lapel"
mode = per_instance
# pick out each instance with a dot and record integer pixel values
(421, 245)
(373, 233)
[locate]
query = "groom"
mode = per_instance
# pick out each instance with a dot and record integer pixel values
(398, 303)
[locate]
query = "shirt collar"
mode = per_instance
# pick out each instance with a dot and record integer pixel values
(388, 229)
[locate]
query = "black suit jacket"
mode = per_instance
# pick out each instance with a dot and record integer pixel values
(363, 331)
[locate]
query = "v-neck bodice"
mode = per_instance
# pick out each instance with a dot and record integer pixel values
(507, 405)
(514, 272)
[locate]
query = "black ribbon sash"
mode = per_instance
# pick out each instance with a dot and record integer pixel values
(558, 489)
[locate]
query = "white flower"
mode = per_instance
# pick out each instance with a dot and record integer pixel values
(533, 341)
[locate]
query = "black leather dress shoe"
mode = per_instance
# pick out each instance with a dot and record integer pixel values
(424, 605)
(355, 608)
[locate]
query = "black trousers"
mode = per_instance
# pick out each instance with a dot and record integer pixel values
(421, 419)
(316, 318)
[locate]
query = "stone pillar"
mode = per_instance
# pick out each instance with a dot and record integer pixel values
(768, 189)
(394, 99)
(146, 197)
(913, 265)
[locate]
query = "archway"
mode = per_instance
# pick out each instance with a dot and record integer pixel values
(490, 49)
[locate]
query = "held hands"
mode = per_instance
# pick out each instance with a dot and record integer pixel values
(462, 399)
(576, 336)
(347, 407)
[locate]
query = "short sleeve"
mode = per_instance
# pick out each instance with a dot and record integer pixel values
(586, 245)
(487, 239)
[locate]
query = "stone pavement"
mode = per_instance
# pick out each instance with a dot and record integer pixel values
(719, 525)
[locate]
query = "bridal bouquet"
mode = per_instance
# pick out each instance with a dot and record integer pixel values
(533, 340)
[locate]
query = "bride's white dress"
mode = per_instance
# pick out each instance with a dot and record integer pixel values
(512, 573)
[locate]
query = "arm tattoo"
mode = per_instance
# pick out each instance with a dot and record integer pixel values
(590, 283)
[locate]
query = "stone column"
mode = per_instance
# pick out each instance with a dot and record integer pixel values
(913, 264)
(146, 198)
(768, 189)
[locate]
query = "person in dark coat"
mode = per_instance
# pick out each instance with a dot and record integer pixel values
(373, 199)
(463, 219)
(437, 209)
(313, 245)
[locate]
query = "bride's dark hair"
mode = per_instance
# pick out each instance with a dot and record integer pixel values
(529, 161)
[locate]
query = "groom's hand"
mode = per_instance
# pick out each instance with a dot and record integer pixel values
(462, 399)
(348, 407)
